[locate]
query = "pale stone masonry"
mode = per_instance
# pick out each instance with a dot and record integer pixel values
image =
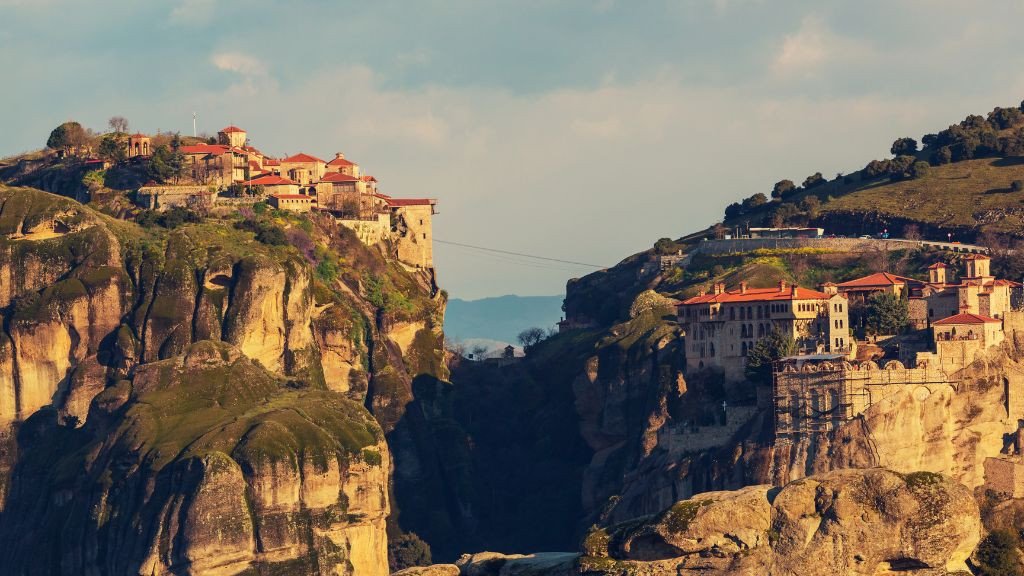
(721, 327)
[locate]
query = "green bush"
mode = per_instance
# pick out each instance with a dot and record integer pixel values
(997, 555)
(406, 551)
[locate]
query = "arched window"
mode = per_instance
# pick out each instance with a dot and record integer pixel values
(744, 349)
(711, 349)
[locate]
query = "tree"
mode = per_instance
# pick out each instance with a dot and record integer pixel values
(919, 169)
(998, 554)
(912, 232)
(814, 180)
(944, 155)
(811, 205)
(784, 213)
(887, 313)
(531, 337)
(406, 551)
(159, 167)
(1003, 118)
(118, 124)
(755, 200)
(733, 210)
(903, 146)
(176, 160)
(782, 189)
(765, 353)
(928, 140)
(876, 168)
(113, 148)
(69, 138)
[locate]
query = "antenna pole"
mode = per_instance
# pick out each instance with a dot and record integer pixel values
(193, 124)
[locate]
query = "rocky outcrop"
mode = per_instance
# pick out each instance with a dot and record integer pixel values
(205, 463)
(115, 340)
(846, 522)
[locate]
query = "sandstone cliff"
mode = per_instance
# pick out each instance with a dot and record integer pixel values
(202, 391)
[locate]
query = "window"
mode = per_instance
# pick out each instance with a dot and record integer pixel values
(732, 313)
(711, 349)
(424, 235)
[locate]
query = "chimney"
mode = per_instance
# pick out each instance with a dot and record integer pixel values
(702, 292)
(794, 289)
(719, 288)
(782, 285)
(743, 287)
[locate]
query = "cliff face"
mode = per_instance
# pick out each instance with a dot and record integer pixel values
(202, 390)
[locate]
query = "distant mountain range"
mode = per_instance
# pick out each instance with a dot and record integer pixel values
(500, 318)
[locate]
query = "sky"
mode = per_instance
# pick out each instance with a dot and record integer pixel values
(574, 130)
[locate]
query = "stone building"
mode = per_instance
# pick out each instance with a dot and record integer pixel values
(721, 327)
(232, 137)
(412, 230)
(139, 145)
(215, 164)
(342, 165)
(303, 168)
(861, 289)
(274, 185)
(291, 202)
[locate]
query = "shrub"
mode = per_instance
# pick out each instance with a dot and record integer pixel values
(997, 555)
(171, 219)
(814, 180)
(919, 169)
(1017, 185)
(406, 551)
(903, 146)
(783, 188)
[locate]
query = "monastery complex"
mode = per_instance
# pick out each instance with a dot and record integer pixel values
(298, 183)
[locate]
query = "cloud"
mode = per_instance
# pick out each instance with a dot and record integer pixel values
(815, 47)
(193, 12)
(239, 63)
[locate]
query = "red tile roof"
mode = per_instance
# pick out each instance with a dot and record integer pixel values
(368, 178)
(398, 202)
(301, 158)
(879, 279)
(977, 257)
(270, 180)
(759, 295)
(938, 265)
(215, 149)
(271, 162)
(341, 162)
(338, 177)
(230, 129)
(965, 318)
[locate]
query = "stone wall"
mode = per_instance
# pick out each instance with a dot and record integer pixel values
(1005, 476)
(370, 232)
(683, 438)
(162, 197)
(740, 245)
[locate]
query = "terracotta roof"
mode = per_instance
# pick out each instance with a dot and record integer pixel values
(341, 162)
(977, 257)
(138, 135)
(291, 196)
(938, 265)
(965, 318)
(230, 130)
(271, 162)
(215, 149)
(398, 202)
(338, 177)
(879, 279)
(302, 158)
(759, 295)
(1003, 282)
(368, 178)
(270, 180)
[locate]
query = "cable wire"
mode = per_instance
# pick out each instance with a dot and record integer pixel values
(519, 254)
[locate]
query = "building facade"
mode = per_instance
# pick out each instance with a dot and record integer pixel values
(722, 327)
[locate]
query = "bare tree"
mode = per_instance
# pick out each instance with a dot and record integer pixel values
(118, 124)
(531, 337)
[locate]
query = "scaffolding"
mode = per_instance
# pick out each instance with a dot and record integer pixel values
(817, 393)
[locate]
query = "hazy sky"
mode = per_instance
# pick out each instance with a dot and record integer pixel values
(576, 130)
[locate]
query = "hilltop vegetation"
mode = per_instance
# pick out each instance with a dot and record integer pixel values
(963, 178)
